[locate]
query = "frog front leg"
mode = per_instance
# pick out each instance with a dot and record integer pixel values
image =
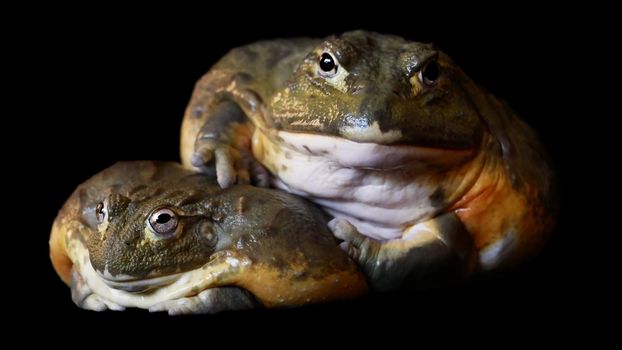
(84, 297)
(216, 143)
(224, 142)
(209, 301)
(430, 253)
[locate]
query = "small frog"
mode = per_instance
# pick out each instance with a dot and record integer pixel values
(427, 175)
(154, 235)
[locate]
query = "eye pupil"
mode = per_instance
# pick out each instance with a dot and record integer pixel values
(327, 62)
(99, 212)
(163, 218)
(431, 72)
(163, 222)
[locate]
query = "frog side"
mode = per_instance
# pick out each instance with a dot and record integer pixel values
(157, 236)
(428, 176)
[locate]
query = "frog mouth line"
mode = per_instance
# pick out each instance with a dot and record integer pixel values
(369, 155)
(139, 285)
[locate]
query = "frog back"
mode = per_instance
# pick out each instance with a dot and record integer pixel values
(295, 258)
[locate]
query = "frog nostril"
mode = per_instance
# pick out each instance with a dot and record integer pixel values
(356, 89)
(367, 89)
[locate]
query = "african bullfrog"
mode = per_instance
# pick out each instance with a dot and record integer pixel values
(428, 176)
(155, 235)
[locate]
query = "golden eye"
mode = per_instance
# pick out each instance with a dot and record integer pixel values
(430, 73)
(163, 222)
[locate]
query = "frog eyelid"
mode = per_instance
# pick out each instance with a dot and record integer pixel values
(175, 210)
(189, 216)
(422, 62)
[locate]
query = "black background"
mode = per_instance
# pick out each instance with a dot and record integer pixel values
(99, 88)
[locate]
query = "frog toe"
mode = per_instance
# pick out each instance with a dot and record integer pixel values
(260, 175)
(251, 171)
(210, 301)
(210, 153)
(363, 250)
(225, 169)
(199, 159)
(83, 296)
(243, 175)
(181, 306)
(345, 231)
(96, 303)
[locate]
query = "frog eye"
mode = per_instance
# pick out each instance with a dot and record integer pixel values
(328, 65)
(163, 221)
(430, 73)
(100, 212)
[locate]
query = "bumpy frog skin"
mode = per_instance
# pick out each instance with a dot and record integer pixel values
(429, 177)
(157, 236)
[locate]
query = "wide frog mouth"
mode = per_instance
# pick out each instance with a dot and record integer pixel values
(135, 284)
(220, 269)
(359, 155)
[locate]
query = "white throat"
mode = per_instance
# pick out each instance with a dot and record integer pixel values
(381, 189)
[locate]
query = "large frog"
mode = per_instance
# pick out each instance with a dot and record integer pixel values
(158, 236)
(428, 176)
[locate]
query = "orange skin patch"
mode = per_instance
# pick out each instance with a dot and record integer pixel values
(59, 238)
(492, 207)
(286, 289)
(58, 253)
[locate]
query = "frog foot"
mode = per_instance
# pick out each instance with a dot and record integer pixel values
(227, 160)
(232, 165)
(259, 174)
(209, 301)
(83, 296)
(362, 249)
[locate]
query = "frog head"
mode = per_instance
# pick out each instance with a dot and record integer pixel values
(145, 236)
(373, 88)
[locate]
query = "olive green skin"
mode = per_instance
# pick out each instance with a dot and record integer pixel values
(378, 90)
(131, 192)
(272, 229)
(494, 178)
(263, 223)
(277, 85)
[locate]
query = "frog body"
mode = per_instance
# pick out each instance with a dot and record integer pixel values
(157, 236)
(425, 172)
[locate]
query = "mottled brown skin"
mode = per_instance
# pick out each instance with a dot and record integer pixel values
(493, 186)
(292, 257)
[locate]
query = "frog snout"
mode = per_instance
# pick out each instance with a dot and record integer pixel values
(372, 122)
